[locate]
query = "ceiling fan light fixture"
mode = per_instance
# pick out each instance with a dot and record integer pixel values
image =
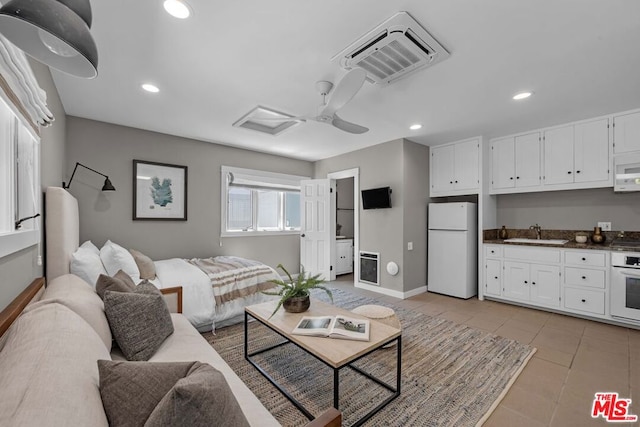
(522, 95)
(53, 32)
(177, 8)
(415, 126)
(150, 88)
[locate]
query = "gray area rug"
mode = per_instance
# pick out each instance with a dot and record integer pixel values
(452, 375)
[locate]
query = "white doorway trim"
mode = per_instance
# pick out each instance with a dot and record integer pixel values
(355, 174)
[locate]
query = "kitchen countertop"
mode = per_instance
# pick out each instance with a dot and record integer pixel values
(490, 237)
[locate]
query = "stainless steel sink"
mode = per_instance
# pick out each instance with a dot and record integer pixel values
(538, 241)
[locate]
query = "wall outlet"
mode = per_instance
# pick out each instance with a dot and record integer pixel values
(409, 246)
(604, 226)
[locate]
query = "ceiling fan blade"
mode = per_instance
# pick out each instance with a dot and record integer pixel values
(345, 90)
(348, 126)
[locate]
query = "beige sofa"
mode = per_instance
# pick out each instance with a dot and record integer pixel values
(48, 360)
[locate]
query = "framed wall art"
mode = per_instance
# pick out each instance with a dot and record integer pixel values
(159, 191)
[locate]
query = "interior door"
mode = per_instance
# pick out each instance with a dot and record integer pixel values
(318, 228)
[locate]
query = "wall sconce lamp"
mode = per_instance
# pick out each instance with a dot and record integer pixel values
(108, 186)
(55, 32)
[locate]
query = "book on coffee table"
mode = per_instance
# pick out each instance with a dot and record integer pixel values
(341, 327)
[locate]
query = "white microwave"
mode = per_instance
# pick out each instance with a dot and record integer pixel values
(627, 173)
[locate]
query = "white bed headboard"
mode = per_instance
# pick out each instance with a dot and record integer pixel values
(62, 228)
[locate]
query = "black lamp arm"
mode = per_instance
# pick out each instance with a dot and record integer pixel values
(74, 172)
(21, 220)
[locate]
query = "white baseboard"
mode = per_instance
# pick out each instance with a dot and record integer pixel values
(390, 292)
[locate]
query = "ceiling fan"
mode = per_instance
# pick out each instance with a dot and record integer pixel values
(345, 90)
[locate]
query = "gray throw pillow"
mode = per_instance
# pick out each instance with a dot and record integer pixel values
(120, 282)
(145, 265)
(140, 320)
(201, 399)
(167, 394)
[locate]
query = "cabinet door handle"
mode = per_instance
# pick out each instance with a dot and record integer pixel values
(511, 177)
(526, 282)
(583, 300)
(495, 277)
(577, 171)
(533, 283)
(584, 277)
(517, 177)
(569, 172)
(303, 235)
(456, 182)
(583, 258)
(450, 182)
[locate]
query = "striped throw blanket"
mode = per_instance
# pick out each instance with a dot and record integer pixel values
(234, 278)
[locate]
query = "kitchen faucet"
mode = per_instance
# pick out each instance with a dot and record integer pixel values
(537, 229)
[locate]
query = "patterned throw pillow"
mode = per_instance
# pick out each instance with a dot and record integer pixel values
(167, 394)
(140, 320)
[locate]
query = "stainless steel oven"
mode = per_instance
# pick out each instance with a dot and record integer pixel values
(625, 285)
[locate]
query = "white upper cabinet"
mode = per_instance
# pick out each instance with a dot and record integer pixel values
(574, 156)
(515, 163)
(577, 154)
(454, 168)
(626, 133)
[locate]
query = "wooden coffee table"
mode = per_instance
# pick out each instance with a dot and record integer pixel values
(335, 353)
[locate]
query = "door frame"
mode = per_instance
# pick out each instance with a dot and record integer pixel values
(355, 174)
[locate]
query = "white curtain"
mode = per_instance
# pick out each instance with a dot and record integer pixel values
(18, 82)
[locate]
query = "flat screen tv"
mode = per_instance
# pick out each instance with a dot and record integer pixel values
(376, 198)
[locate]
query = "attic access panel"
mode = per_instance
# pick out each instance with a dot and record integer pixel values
(394, 49)
(264, 120)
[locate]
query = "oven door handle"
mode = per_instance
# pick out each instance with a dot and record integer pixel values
(636, 275)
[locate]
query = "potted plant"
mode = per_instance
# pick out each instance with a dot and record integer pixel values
(295, 293)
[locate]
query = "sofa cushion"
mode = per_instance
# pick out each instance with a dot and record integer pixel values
(121, 282)
(115, 257)
(140, 320)
(145, 265)
(48, 371)
(86, 263)
(186, 344)
(167, 394)
(76, 294)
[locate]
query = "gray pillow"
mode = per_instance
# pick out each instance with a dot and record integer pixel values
(201, 399)
(140, 320)
(145, 265)
(120, 282)
(167, 394)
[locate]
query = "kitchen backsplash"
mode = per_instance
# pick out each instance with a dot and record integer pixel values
(492, 234)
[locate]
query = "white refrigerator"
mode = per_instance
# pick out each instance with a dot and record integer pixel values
(453, 249)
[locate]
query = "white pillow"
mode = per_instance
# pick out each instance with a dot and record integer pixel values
(115, 257)
(86, 264)
(89, 245)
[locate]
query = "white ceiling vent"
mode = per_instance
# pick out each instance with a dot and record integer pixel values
(265, 120)
(392, 50)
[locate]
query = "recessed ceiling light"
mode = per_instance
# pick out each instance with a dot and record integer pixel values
(415, 127)
(521, 95)
(150, 88)
(177, 8)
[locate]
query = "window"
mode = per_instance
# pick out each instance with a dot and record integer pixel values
(19, 183)
(259, 203)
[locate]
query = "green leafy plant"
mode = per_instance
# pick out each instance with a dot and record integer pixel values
(296, 288)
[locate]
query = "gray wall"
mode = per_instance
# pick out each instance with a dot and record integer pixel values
(382, 230)
(111, 150)
(416, 199)
(19, 269)
(570, 210)
(344, 206)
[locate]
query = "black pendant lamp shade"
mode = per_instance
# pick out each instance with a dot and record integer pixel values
(55, 32)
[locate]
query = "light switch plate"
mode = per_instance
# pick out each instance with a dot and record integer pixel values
(604, 226)
(409, 246)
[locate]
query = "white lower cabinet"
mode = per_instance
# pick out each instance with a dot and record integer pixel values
(535, 283)
(567, 280)
(344, 256)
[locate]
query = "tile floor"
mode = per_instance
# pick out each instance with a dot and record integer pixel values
(575, 359)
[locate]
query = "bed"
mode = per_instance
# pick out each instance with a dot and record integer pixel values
(214, 290)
